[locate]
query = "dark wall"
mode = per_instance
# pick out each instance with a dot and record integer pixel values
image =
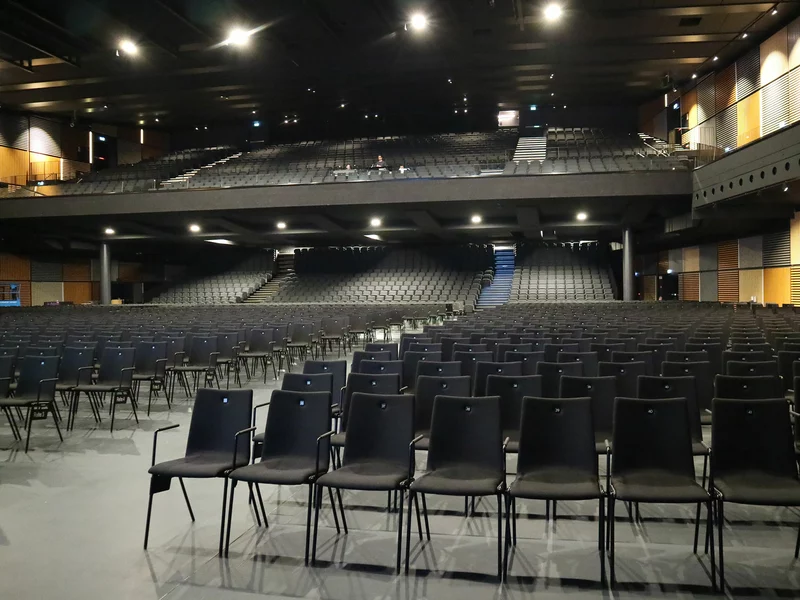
(616, 118)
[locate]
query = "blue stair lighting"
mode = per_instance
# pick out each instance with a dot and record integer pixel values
(498, 293)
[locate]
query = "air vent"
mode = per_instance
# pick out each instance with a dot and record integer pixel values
(690, 21)
(482, 32)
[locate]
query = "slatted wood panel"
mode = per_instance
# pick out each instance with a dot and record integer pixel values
(649, 288)
(14, 268)
(25, 293)
(77, 271)
(751, 285)
(728, 255)
(774, 57)
(725, 84)
(46, 291)
(777, 286)
(663, 262)
(78, 292)
(794, 95)
(95, 291)
(777, 249)
(691, 259)
(793, 43)
(748, 73)
(706, 103)
(45, 136)
(795, 284)
(13, 166)
(728, 286)
(14, 131)
(748, 119)
(775, 106)
(689, 286)
(689, 107)
(727, 124)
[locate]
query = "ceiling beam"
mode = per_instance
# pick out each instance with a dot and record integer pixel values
(70, 60)
(326, 223)
(140, 36)
(429, 224)
(175, 14)
(24, 64)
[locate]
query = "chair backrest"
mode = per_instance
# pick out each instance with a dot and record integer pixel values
(503, 350)
(147, 355)
(786, 359)
(360, 356)
(382, 367)
(201, 351)
(216, 418)
(492, 344)
(34, 369)
(604, 350)
(428, 388)
(587, 360)
(294, 422)
(381, 428)
(438, 368)
(753, 347)
(72, 361)
(551, 351)
(448, 343)
(468, 348)
(228, 344)
(484, 369)
(552, 372)
(260, 340)
(626, 373)
(659, 353)
(511, 389)
(681, 385)
(422, 347)
(556, 433)
(601, 391)
(389, 347)
(714, 350)
(175, 345)
(729, 356)
(302, 382)
(652, 434)
(406, 339)
(686, 356)
(645, 357)
(410, 361)
(703, 379)
(748, 437)
(629, 343)
(469, 361)
(466, 431)
(383, 385)
(529, 360)
(112, 363)
(301, 333)
(747, 388)
(751, 369)
(337, 368)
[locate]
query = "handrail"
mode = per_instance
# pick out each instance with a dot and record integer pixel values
(12, 190)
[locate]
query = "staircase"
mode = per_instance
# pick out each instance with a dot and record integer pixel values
(499, 291)
(182, 180)
(531, 148)
(285, 271)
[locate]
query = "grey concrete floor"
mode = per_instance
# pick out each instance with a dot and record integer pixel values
(72, 521)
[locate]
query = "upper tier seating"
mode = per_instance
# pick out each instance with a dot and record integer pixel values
(358, 275)
(229, 287)
(560, 271)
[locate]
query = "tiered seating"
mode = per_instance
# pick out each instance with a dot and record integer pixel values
(229, 287)
(358, 275)
(608, 164)
(568, 271)
(593, 142)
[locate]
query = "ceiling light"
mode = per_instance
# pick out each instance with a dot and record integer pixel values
(295, 120)
(553, 12)
(376, 116)
(375, 222)
(157, 120)
(141, 122)
(716, 58)
(221, 242)
(194, 228)
(373, 236)
(280, 225)
(455, 111)
(465, 111)
(256, 123)
(254, 112)
(774, 11)
(694, 75)
(341, 105)
(449, 80)
(237, 37)
(669, 271)
(552, 75)
(419, 22)
(581, 216)
(476, 219)
(285, 121)
(205, 128)
(129, 48)
(786, 188)
(109, 231)
(744, 35)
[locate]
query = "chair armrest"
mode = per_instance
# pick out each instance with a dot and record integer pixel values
(175, 360)
(155, 440)
(212, 360)
(161, 366)
(794, 414)
(708, 411)
(80, 370)
(608, 466)
(255, 408)
(236, 444)
(52, 380)
(126, 376)
(325, 435)
(505, 446)
(411, 461)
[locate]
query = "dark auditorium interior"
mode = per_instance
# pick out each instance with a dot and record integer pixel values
(399, 299)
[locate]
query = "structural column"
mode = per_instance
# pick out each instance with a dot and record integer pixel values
(628, 290)
(105, 274)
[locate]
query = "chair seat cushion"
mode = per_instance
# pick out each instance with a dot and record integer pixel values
(191, 368)
(658, 486)
(19, 401)
(98, 388)
(467, 480)
(254, 354)
(375, 475)
(425, 441)
(556, 484)
(286, 470)
(759, 488)
(259, 438)
(210, 464)
(143, 376)
(337, 440)
(64, 387)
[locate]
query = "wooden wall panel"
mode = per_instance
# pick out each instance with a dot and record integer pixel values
(725, 83)
(78, 292)
(689, 106)
(51, 291)
(777, 286)
(795, 285)
(748, 115)
(691, 259)
(14, 268)
(649, 291)
(751, 285)
(793, 43)
(728, 255)
(689, 287)
(794, 239)
(728, 286)
(13, 166)
(774, 57)
(25, 293)
(78, 271)
(130, 272)
(663, 262)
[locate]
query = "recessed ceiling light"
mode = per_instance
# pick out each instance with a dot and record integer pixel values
(341, 105)
(375, 222)
(194, 228)
(775, 11)
(694, 75)
(157, 121)
(449, 80)
(716, 58)
(552, 93)
(476, 219)
(376, 116)
(237, 37)
(109, 231)
(552, 75)
(254, 112)
(128, 47)
(295, 120)
(141, 122)
(744, 35)
(581, 216)
(419, 22)
(373, 236)
(553, 12)
(786, 188)
(221, 242)
(280, 225)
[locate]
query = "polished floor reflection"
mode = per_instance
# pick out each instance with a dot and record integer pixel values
(72, 519)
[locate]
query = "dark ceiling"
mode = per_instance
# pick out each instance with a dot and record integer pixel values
(60, 56)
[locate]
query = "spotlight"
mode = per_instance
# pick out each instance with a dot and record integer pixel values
(295, 120)
(109, 231)
(786, 188)
(744, 35)
(194, 228)
(716, 58)
(237, 37)
(669, 271)
(552, 93)
(694, 75)
(254, 112)
(280, 225)
(449, 81)
(128, 47)
(256, 123)
(419, 22)
(581, 216)
(476, 219)
(553, 12)
(375, 222)
(774, 11)
(157, 121)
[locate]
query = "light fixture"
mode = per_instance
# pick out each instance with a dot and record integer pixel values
(716, 58)
(197, 129)
(419, 22)
(128, 47)
(373, 236)
(694, 75)
(465, 111)
(101, 138)
(553, 12)
(285, 121)
(254, 112)
(375, 222)
(295, 120)
(774, 11)
(221, 242)
(676, 106)
(455, 111)
(376, 116)
(205, 128)
(280, 225)
(194, 228)
(157, 121)
(256, 123)
(476, 219)
(581, 216)
(141, 121)
(744, 35)
(786, 188)
(552, 93)
(449, 80)
(109, 231)
(237, 37)
(341, 105)
(669, 271)
(552, 75)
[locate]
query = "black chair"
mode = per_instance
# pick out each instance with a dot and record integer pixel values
(428, 388)
(748, 388)
(504, 350)
(659, 353)
(551, 351)
(645, 357)
(202, 363)
(468, 348)
(260, 350)
(299, 382)
(653, 462)
(751, 369)
(151, 366)
(629, 343)
(604, 351)
(378, 455)
(470, 360)
(714, 350)
(422, 347)
(296, 450)
(336, 368)
(584, 343)
(382, 367)
(601, 391)
(114, 379)
(410, 361)
(406, 339)
(557, 461)
(551, 376)
(753, 347)
(333, 331)
(729, 356)
(492, 345)
(785, 361)
(216, 445)
(389, 347)
(447, 346)
(302, 341)
(75, 369)
(465, 458)
(484, 369)
(529, 360)
(587, 360)
(438, 369)
(35, 392)
(360, 356)
(753, 459)
(229, 345)
(511, 390)
(703, 379)
(684, 356)
(627, 375)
